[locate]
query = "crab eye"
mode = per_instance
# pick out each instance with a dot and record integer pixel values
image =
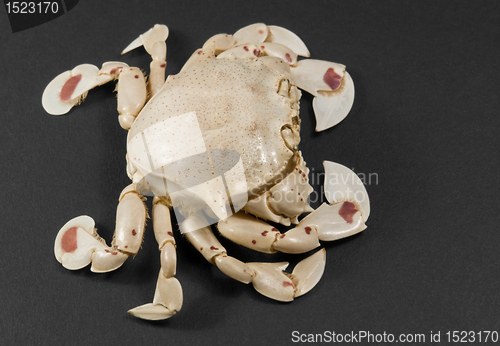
(284, 87)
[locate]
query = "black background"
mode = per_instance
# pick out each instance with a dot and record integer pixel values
(425, 120)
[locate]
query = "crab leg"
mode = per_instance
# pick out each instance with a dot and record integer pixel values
(153, 41)
(345, 216)
(71, 87)
(168, 295)
(78, 244)
(267, 278)
(328, 222)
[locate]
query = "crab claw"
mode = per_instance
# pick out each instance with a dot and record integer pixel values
(166, 303)
(221, 42)
(158, 33)
(112, 68)
(331, 108)
(241, 52)
(308, 272)
(342, 184)
(270, 281)
(70, 88)
(280, 51)
(332, 87)
(77, 244)
(288, 39)
(254, 33)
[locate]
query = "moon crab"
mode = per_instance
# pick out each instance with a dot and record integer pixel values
(218, 144)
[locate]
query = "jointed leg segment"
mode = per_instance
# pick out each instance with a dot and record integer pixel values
(168, 297)
(78, 244)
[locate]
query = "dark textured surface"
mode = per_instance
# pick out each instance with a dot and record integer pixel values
(425, 121)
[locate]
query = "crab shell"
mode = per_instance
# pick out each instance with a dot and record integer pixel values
(247, 105)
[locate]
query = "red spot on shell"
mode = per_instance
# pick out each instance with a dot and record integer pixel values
(170, 234)
(126, 246)
(264, 233)
(199, 52)
(332, 79)
(213, 248)
(288, 284)
(308, 230)
(261, 32)
(262, 47)
(134, 232)
(69, 87)
(288, 58)
(245, 48)
(256, 52)
(282, 236)
(275, 229)
(254, 242)
(136, 76)
(347, 210)
(68, 241)
(113, 253)
(201, 249)
(163, 65)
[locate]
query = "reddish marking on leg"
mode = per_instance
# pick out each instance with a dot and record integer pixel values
(282, 236)
(347, 210)
(254, 242)
(288, 284)
(288, 58)
(214, 248)
(134, 232)
(262, 47)
(68, 241)
(114, 70)
(163, 65)
(308, 230)
(69, 87)
(332, 79)
(256, 52)
(199, 52)
(245, 48)
(170, 234)
(264, 233)
(113, 253)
